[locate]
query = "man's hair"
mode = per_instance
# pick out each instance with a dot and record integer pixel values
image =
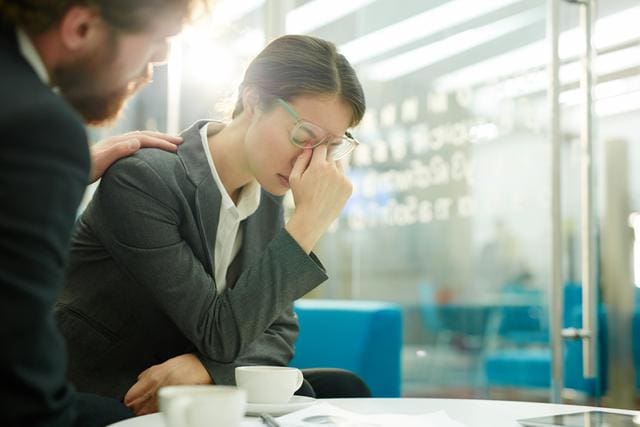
(38, 16)
(296, 65)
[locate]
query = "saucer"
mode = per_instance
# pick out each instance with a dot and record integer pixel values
(276, 409)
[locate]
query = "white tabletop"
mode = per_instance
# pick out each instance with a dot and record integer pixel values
(473, 413)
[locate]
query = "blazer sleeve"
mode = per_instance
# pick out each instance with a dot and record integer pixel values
(138, 219)
(275, 347)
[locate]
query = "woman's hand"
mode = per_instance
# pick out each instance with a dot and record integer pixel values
(104, 153)
(142, 397)
(320, 190)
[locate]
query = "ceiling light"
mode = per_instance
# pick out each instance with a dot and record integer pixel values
(415, 28)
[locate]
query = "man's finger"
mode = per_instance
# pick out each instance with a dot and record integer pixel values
(148, 141)
(120, 149)
(172, 138)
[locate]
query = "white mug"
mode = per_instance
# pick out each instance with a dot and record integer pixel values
(268, 384)
(202, 405)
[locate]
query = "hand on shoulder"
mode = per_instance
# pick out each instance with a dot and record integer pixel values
(104, 153)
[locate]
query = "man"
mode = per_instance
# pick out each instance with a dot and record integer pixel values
(94, 53)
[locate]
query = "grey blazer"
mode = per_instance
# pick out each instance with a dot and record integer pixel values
(140, 286)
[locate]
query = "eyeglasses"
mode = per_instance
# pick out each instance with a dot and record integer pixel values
(308, 135)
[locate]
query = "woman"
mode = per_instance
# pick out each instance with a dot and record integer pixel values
(182, 267)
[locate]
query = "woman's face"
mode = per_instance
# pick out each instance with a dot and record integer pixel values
(269, 152)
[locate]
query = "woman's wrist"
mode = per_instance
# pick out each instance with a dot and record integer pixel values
(303, 232)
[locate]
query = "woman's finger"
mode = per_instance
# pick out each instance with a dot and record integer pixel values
(319, 154)
(300, 165)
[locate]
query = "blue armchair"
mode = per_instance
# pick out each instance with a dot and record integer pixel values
(635, 343)
(364, 337)
(531, 367)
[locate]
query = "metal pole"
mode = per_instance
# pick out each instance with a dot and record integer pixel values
(555, 293)
(275, 17)
(589, 297)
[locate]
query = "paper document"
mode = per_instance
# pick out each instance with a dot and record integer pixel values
(325, 415)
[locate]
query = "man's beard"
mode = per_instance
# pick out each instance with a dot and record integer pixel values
(81, 84)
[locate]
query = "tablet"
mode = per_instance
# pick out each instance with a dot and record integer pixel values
(584, 419)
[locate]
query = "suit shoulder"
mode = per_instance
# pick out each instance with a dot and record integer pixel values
(29, 104)
(22, 90)
(149, 168)
(159, 160)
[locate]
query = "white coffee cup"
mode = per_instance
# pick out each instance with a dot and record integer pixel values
(202, 405)
(268, 384)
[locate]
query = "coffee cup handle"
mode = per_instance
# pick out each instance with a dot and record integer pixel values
(299, 380)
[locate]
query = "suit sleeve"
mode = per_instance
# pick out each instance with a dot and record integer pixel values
(275, 347)
(139, 215)
(44, 165)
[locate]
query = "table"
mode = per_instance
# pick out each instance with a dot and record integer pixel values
(471, 412)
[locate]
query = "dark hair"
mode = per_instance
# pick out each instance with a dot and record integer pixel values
(294, 65)
(38, 16)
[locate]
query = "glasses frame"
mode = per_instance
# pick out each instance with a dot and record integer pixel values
(300, 121)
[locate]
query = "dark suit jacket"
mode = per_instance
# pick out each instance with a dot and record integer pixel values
(140, 286)
(44, 164)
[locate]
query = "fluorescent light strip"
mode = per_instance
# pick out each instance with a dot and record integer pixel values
(610, 30)
(420, 26)
(316, 13)
(602, 91)
(505, 64)
(618, 104)
(430, 54)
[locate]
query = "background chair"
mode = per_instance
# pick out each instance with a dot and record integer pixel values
(364, 337)
(457, 329)
(521, 318)
(531, 367)
(635, 339)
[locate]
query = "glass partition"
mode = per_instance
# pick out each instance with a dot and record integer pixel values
(450, 213)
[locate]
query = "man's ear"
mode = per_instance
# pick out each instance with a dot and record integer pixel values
(250, 101)
(80, 28)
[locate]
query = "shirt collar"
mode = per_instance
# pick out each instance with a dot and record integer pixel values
(28, 50)
(249, 199)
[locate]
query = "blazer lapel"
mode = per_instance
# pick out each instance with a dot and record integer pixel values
(258, 230)
(207, 196)
(248, 251)
(207, 215)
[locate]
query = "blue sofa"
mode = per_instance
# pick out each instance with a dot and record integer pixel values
(364, 337)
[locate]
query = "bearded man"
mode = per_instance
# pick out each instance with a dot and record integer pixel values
(62, 64)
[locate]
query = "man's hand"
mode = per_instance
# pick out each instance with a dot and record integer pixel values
(184, 369)
(104, 153)
(320, 190)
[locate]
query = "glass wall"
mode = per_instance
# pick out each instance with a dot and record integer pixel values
(450, 215)
(434, 223)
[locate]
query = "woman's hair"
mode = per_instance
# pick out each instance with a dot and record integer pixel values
(294, 65)
(38, 16)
